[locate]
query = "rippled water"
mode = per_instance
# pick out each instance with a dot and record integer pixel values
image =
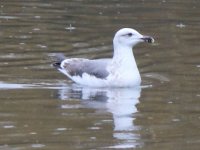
(41, 109)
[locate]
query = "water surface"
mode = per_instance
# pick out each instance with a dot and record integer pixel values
(41, 109)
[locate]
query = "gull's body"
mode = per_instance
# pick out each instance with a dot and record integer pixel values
(119, 71)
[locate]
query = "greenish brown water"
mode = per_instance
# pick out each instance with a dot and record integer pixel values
(41, 109)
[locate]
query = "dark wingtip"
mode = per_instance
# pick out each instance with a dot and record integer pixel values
(57, 59)
(57, 64)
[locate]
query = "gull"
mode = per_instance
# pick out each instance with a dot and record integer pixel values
(119, 71)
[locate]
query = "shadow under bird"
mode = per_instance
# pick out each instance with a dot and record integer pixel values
(119, 71)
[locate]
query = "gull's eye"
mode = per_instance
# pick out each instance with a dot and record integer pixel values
(130, 34)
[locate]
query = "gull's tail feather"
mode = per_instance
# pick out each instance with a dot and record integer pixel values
(57, 59)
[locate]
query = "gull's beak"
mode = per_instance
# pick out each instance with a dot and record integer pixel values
(148, 39)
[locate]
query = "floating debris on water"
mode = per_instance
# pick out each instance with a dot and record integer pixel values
(32, 133)
(37, 145)
(41, 46)
(181, 25)
(36, 29)
(37, 17)
(61, 129)
(8, 126)
(70, 28)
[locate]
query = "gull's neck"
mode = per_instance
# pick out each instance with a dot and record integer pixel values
(124, 66)
(124, 56)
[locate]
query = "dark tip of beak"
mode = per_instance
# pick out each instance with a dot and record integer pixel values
(148, 39)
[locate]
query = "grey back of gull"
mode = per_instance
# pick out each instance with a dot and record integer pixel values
(79, 66)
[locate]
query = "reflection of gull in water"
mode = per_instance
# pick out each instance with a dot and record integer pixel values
(121, 102)
(119, 71)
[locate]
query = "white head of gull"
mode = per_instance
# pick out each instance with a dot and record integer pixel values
(119, 71)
